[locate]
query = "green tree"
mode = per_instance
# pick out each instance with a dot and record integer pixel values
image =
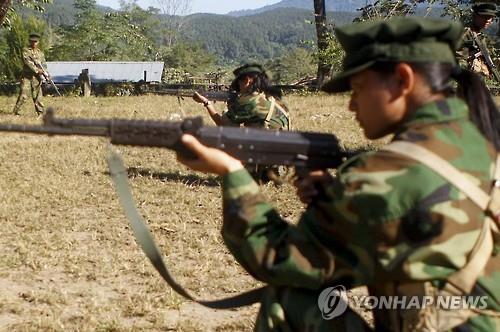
(298, 63)
(14, 40)
(190, 57)
(9, 8)
(98, 36)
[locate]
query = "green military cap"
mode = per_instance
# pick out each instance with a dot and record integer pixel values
(249, 68)
(400, 39)
(485, 8)
(34, 36)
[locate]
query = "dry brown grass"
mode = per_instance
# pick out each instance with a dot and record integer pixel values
(68, 260)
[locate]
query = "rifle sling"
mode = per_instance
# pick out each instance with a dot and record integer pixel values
(145, 239)
(465, 278)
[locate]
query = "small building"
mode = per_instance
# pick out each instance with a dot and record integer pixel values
(67, 72)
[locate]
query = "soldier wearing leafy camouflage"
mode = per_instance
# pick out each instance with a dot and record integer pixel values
(387, 220)
(257, 104)
(470, 55)
(31, 79)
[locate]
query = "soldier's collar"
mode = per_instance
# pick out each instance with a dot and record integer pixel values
(447, 109)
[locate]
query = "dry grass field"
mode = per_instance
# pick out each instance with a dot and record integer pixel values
(68, 260)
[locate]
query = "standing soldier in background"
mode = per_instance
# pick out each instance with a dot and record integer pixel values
(31, 78)
(474, 54)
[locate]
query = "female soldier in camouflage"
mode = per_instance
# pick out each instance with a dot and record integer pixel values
(387, 221)
(257, 103)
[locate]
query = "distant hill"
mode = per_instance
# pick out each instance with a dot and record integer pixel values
(332, 5)
(262, 36)
(62, 12)
(259, 34)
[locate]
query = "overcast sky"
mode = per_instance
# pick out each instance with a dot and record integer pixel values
(202, 6)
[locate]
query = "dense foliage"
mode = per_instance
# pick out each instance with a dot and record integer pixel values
(284, 38)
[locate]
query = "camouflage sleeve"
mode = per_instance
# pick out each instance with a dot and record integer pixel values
(226, 121)
(28, 61)
(42, 60)
(384, 218)
(245, 109)
(464, 52)
(283, 254)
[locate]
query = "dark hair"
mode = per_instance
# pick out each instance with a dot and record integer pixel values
(483, 111)
(261, 83)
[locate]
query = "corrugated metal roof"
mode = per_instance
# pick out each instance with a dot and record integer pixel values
(105, 71)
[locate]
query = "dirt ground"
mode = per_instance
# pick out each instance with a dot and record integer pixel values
(68, 260)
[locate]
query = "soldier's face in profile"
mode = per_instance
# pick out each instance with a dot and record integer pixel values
(374, 100)
(482, 21)
(245, 82)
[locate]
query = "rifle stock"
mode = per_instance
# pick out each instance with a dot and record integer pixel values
(250, 145)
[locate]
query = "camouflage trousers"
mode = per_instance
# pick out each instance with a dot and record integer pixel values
(31, 86)
(295, 309)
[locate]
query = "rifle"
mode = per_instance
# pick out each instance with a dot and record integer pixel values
(46, 75)
(486, 56)
(252, 146)
(210, 95)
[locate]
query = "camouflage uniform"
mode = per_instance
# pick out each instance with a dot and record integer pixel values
(470, 56)
(31, 82)
(257, 110)
(386, 222)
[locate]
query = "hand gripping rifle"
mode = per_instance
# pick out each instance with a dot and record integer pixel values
(250, 145)
(46, 75)
(486, 56)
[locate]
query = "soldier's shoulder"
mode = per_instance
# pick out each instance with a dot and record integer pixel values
(38, 51)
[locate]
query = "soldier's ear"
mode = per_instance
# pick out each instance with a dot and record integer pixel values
(405, 78)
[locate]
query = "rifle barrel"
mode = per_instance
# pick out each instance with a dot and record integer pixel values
(53, 130)
(250, 145)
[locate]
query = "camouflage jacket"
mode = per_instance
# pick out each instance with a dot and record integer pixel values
(251, 110)
(386, 218)
(32, 57)
(469, 55)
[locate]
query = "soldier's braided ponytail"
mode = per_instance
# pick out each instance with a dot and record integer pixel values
(471, 87)
(483, 110)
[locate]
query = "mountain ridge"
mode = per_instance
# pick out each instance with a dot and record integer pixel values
(350, 6)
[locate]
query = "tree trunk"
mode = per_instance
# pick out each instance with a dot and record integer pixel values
(4, 8)
(322, 34)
